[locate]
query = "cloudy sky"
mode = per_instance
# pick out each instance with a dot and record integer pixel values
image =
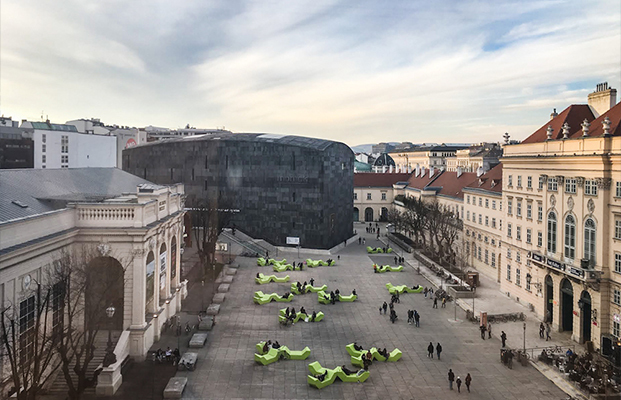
(356, 71)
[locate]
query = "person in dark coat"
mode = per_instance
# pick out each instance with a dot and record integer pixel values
(468, 382)
(430, 350)
(503, 337)
(542, 330)
(385, 306)
(451, 378)
(435, 302)
(416, 318)
(458, 382)
(439, 350)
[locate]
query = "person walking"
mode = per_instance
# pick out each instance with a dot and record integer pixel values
(417, 319)
(483, 329)
(542, 329)
(468, 382)
(430, 350)
(385, 306)
(443, 302)
(548, 337)
(503, 337)
(489, 330)
(451, 378)
(359, 240)
(425, 292)
(458, 382)
(438, 350)
(435, 303)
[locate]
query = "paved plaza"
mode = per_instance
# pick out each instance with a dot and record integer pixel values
(226, 367)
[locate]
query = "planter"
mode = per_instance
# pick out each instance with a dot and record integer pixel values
(458, 292)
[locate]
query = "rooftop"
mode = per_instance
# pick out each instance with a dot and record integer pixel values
(490, 181)
(369, 179)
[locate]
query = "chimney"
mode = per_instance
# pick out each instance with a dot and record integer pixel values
(459, 171)
(479, 171)
(432, 171)
(390, 169)
(422, 171)
(553, 115)
(409, 169)
(602, 99)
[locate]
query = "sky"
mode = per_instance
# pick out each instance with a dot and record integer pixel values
(355, 71)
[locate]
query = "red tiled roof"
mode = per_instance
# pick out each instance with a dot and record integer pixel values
(573, 115)
(370, 179)
(597, 129)
(451, 185)
(484, 182)
(419, 182)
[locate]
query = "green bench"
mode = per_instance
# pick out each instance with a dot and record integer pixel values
(263, 279)
(356, 356)
(331, 375)
(319, 263)
(377, 250)
(274, 355)
(300, 316)
(402, 289)
(388, 268)
(324, 298)
(285, 267)
(309, 288)
(262, 298)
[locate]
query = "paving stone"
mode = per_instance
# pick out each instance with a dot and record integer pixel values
(223, 288)
(206, 324)
(175, 387)
(219, 298)
(227, 279)
(198, 340)
(213, 309)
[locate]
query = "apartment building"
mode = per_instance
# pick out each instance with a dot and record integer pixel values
(482, 155)
(425, 156)
(562, 209)
(373, 195)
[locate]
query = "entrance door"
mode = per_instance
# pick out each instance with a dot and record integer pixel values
(356, 214)
(549, 299)
(384, 215)
(368, 214)
(585, 300)
(567, 305)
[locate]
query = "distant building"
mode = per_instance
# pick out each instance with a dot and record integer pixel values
(283, 186)
(16, 147)
(373, 195)
(382, 148)
(62, 146)
(403, 146)
(484, 155)
(425, 156)
(157, 133)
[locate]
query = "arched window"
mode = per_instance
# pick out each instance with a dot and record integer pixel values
(589, 240)
(552, 232)
(570, 237)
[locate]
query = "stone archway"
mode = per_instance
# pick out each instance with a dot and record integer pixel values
(567, 305)
(384, 214)
(368, 214)
(549, 299)
(356, 214)
(104, 288)
(585, 315)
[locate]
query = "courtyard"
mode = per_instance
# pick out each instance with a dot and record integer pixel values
(226, 367)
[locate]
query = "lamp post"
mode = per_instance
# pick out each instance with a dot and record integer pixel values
(110, 357)
(524, 344)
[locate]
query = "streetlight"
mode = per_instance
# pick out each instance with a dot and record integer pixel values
(110, 357)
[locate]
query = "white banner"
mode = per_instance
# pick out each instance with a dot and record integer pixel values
(293, 240)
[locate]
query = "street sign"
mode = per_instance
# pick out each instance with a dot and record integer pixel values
(293, 240)
(222, 246)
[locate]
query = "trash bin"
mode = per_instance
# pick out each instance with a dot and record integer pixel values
(473, 278)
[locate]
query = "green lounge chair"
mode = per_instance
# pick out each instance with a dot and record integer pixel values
(349, 298)
(309, 288)
(356, 356)
(328, 380)
(295, 354)
(301, 316)
(389, 250)
(285, 267)
(263, 279)
(261, 298)
(312, 263)
(261, 262)
(331, 375)
(388, 268)
(352, 351)
(402, 289)
(395, 355)
(272, 356)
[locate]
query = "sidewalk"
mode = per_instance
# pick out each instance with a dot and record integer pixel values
(489, 299)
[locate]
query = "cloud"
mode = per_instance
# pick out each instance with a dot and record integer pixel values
(356, 72)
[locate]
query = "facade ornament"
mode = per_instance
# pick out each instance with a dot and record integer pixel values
(151, 243)
(549, 132)
(603, 183)
(591, 206)
(565, 130)
(580, 181)
(544, 179)
(560, 179)
(585, 128)
(104, 249)
(506, 136)
(570, 203)
(606, 126)
(552, 200)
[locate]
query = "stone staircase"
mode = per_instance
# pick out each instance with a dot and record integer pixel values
(59, 385)
(249, 244)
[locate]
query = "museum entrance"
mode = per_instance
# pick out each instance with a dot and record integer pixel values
(567, 305)
(368, 214)
(384, 214)
(585, 311)
(549, 299)
(104, 288)
(356, 214)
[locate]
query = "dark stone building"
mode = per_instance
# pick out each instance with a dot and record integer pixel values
(282, 185)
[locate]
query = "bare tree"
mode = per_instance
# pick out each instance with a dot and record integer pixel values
(28, 341)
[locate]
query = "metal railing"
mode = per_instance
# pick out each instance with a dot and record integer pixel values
(252, 247)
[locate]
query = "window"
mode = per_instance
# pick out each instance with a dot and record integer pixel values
(486, 203)
(570, 237)
(510, 182)
(509, 206)
(529, 182)
(64, 144)
(493, 222)
(519, 181)
(368, 196)
(539, 212)
(480, 202)
(616, 297)
(518, 277)
(590, 187)
(552, 184)
(529, 211)
(617, 228)
(518, 257)
(509, 273)
(539, 238)
(27, 329)
(518, 232)
(493, 204)
(618, 190)
(486, 256)
(493, 259)
(589, 240)
(468, 215)
(468, 199)
(616, 329)
(479, 236)
(509, 230)
(500, 205)
(474, 217)
(43, 148)
(493, 242)
(486, 220)
(529, 235)
(518, 208)
(58, 306)
(355, 196)
(293, 197)
(474, 200)
(479, 252)
(43, 158)
(509, 253)
(541, 179)
(44, 138)
(618, 262)
(552, 232)
(383, 196)
(570, 185)
(480, 219)
(64, 160)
